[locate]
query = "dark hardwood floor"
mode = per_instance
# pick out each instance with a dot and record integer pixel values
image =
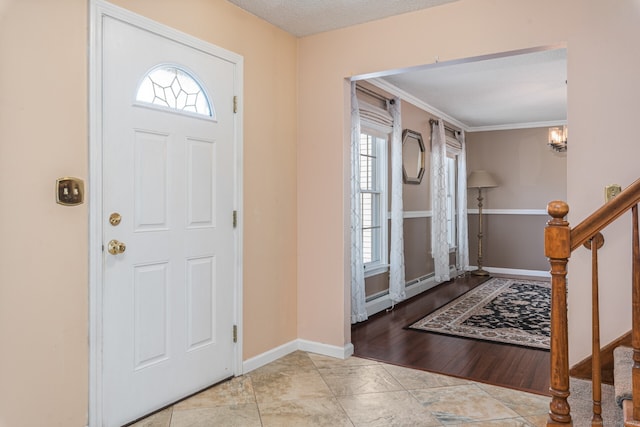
(384, 338)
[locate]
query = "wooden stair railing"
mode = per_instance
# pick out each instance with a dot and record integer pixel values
(560, 241)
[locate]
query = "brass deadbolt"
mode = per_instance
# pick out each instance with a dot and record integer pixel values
(115, 218)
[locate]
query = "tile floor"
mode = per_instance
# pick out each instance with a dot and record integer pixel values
(306, 389)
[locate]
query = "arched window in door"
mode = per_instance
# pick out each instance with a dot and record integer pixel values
(173, 88)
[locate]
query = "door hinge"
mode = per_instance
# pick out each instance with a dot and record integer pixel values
(235, 104)
(235, 219)
(235, 333)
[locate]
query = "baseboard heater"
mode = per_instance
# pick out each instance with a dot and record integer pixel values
(380, 301)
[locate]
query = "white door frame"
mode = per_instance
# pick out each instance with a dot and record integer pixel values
(97, 10)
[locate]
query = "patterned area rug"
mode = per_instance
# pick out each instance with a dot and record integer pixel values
(510, 311)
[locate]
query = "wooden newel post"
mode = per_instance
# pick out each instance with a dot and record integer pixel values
(557, 247)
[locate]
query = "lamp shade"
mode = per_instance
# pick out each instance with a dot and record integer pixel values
(481, 179)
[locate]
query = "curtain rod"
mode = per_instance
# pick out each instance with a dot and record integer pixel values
(435, 122)
(374, 94)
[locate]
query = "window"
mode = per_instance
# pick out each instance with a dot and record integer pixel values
(373, 201)
(451, 167)
(175, 89)
(454, 148)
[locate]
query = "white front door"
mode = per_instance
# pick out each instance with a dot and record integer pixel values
(167, 220)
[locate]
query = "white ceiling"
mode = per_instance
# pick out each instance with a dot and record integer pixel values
(305, 17)
(502, 92)
(508, 92)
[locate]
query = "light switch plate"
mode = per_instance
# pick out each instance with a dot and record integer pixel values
(611, 191)
(69, 191)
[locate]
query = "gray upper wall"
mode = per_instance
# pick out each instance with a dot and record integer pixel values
(528, 172)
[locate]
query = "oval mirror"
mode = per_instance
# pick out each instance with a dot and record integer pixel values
(412, 157)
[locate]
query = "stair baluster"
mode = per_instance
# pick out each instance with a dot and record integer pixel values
(635, 315)
(595, 243)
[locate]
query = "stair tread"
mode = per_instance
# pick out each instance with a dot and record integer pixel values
(623, 363)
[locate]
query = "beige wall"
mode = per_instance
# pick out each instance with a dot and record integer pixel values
(417, 197)
(418, 260)
(43, 263)
(509, 241)
(529, 175)
(603, 92)
(601, 38)
(43, 135)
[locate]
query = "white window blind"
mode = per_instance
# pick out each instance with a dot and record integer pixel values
(454, 147)
(375, 118)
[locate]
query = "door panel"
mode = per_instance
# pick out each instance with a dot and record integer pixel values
(201, 195)
(201, 273)
(150, 287)
(150, 188)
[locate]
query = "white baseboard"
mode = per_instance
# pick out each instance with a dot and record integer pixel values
(515, 271)
(269, 356)
(326, 349)
(510, 211)
(299, 344)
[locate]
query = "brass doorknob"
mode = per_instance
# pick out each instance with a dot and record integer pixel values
(116, 247)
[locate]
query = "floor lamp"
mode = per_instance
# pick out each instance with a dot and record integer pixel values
(480, 179)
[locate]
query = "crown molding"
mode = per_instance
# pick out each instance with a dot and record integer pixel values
(405, 96)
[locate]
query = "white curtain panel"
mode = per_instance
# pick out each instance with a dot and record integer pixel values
(439, 241)
(358, 297)
(463, 228)
(396, 245)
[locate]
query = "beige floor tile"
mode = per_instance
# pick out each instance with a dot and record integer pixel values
(538, 420)
(510, 422)
(296, 361)
(462, 404)
(236, 391)
(301, 413)
(412, 379)
(388, 409)
(300, 390)
(523, 403)
(359, 379)
(326, 362)
(159, 419)
(288, 385)
(224, 416)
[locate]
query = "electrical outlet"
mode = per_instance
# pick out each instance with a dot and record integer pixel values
(611, 191)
